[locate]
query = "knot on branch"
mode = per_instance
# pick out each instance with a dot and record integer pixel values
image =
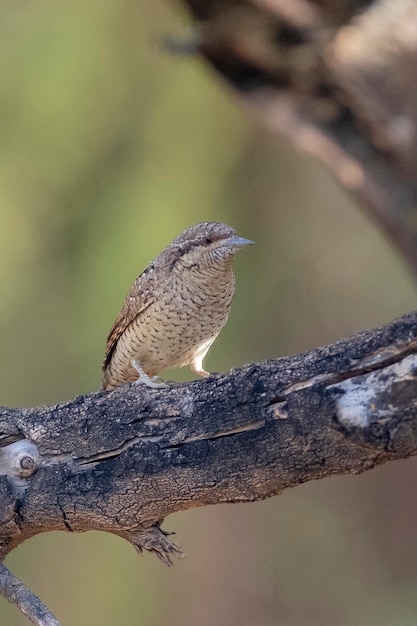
(18, 461)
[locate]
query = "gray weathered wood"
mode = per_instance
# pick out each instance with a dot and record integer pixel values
(17, 593)
(122, 461)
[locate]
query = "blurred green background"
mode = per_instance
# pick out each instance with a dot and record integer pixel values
(109, 148)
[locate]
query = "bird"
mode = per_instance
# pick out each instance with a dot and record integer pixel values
(175, 308)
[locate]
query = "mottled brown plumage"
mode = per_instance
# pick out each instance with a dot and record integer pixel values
(176, 308)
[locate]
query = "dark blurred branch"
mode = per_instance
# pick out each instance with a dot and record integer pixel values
(339, 79)
(122, 461)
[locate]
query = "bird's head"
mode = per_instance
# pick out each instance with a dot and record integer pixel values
(207, 245)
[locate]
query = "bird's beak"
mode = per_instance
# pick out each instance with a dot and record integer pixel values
(238, 242)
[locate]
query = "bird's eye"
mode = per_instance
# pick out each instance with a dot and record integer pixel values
(208, 240)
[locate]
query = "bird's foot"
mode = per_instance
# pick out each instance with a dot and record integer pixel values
(153, 382)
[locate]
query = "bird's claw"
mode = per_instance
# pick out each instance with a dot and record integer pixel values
(153, 382)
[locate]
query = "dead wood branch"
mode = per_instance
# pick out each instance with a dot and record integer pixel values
(122, 461)
(17, 593)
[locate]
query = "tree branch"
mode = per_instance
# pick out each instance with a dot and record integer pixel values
(122, 461)
(339, 80)
(18, 594)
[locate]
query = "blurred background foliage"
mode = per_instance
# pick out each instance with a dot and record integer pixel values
(110, 146)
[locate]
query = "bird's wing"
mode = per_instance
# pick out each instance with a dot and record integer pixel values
(139, 298)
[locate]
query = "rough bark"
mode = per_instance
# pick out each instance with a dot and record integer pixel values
(122, 461)
(339, 80)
